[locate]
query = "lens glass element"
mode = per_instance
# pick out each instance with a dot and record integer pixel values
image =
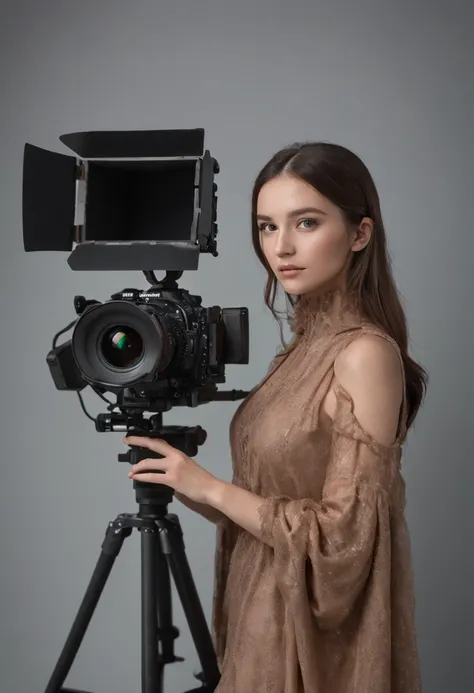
(122, 346)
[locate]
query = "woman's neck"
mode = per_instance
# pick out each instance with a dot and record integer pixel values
(324, 312)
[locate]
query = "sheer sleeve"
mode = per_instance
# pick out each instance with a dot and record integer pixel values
(226, 535)
(326, 552)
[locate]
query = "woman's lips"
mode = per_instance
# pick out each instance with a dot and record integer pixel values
(290, 271)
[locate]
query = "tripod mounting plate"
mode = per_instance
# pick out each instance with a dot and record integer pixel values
(188, 439)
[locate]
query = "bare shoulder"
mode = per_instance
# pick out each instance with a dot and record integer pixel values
(369, 370)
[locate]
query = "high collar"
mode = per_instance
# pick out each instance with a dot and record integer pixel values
(328, 312)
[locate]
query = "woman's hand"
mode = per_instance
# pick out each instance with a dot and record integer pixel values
(175, 469)
(188, 478)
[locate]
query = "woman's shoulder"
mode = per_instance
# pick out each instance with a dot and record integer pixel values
(370, 371)
(369, 348)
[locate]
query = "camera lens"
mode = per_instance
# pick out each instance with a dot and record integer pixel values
(119, 344)
(122, 346)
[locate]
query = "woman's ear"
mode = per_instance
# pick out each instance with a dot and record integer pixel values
(363, 234)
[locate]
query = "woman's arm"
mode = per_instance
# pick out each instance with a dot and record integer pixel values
(206, 511)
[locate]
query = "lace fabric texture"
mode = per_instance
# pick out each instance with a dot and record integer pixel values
(329, 607)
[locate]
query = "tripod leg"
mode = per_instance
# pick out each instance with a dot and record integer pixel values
(152, 668)
(173, 547)
(114, 537)
(167, 632)
(158, 631)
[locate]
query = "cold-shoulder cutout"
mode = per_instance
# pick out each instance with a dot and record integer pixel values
(346, 423)
(344, 418)
(369, 369)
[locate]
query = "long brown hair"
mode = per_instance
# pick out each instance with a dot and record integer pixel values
(339, 175)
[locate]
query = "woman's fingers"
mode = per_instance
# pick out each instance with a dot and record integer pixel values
(156, 444)
(151, 478)
(151, 464)
(150, 469)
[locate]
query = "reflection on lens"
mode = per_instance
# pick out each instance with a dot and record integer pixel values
(122, 347)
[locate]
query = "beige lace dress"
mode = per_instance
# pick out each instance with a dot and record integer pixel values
(329, 608)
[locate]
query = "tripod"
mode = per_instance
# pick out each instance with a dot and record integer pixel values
(162, 553)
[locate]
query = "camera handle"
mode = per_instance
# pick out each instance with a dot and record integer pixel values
(170, 280)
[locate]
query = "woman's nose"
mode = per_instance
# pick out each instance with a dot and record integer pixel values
(284, 245)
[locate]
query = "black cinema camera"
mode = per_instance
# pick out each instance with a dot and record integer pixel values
(154, 349)
(138, 200)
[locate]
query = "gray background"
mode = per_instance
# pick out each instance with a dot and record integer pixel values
(391, 80)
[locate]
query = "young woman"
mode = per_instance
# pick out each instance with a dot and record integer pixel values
(314, 587)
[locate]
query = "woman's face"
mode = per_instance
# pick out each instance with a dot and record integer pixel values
(300, 228)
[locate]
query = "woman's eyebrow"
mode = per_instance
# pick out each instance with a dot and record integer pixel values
(295, 213)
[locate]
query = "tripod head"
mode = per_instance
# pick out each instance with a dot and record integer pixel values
(153, 498)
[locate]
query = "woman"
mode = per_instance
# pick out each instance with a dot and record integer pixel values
(314, 588)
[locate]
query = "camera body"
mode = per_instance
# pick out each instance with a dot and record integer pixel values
(161, 344)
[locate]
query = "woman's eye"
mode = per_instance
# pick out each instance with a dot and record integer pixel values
(311, 223)
(264, 226)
